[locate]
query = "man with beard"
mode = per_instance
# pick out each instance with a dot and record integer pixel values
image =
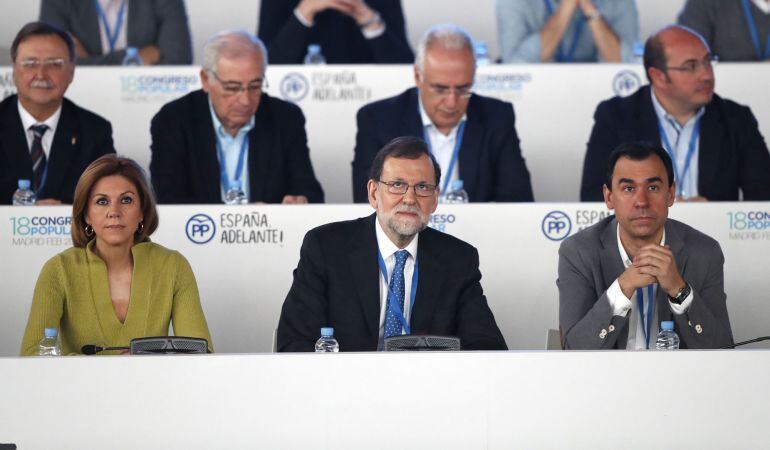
(387, 274)
(618, 279)
(44, 137)
(717, 150)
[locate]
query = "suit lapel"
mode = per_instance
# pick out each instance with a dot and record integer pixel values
(364, 270)
(91, 34)
(710, 148)
(131, 21)
(612, 265)
(468, 159)
(646, 120)
(64, 150)
(429, 282)
(13, 139)
(411, 124)
(260, 143)
(205, 148)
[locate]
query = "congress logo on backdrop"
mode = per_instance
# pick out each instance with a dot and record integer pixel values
(52, 230)
(156, 88)
(626, 82)
(441, 222)
(200, 229)
(749, 225)
(556, 225)
(294, 87)
(507, 86)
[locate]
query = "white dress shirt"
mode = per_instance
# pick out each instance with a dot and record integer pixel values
(763, 5)
(621, 305)
(388, 250)
(442, 146)
(27, 121)
(231, 149)
(111, 9)
(679, 138)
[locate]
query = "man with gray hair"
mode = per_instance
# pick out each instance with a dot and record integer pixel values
(230, 141)
(473, 138)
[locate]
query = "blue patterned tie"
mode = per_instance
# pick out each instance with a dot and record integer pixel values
(393, 325)
(37, 155)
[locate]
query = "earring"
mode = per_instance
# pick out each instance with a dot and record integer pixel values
(140, 228)
(89, 230)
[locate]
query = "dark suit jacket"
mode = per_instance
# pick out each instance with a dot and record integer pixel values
(81, 137)
(589, 262)
(732, 154)
(185, 167)
(490, 161)
(159, 22)
(339, 36)
(337, 284)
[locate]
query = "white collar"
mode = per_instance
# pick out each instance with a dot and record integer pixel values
(387, 247)
(661, 112)
(624, 255)
(219, 129)
(426, 122)
(27, 120)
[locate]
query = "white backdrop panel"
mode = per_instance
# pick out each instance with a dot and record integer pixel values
(554, 108)
(243, 283)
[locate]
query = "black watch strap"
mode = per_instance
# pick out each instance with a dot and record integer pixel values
(683, 294)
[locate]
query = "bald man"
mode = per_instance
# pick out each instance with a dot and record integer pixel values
(717, 150)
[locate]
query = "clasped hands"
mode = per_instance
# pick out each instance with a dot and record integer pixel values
(654, 264)
(357, 9)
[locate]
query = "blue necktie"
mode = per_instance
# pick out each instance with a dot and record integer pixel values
(37, 155)
(393, 325)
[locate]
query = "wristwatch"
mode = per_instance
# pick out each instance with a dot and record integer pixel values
(595, 14)
(683, 294)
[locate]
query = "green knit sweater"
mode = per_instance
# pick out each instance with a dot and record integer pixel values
(73, 295)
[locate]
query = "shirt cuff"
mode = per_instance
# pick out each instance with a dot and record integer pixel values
(371, 34)
(681, 309)
(619, 303)
(302, 18)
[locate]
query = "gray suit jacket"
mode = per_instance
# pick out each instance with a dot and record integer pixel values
(159, 22)
(589, 262)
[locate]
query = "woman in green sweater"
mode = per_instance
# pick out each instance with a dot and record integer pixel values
(114, 284)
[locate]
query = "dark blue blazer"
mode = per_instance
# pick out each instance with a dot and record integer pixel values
(81, 137)
(185, 166)
(491, 165)
(337, 284)
(339, 36)
(732, 155)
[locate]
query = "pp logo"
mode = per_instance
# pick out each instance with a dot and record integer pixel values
(625, 83)
(200, 229)
(294, 87)
(556, 225)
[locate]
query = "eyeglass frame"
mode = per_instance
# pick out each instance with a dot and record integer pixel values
(233, 88)
(391, 185)
(707, 63)
(463, 92)
(30, 64)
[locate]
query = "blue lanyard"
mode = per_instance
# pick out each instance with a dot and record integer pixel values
(413, 292)
(455, 152)
(646, 327)
(112, 36)
(238, 176)
(754, 36)
(570, 56)
(679, 177)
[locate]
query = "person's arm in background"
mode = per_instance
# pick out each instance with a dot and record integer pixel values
(47, 306)
(391, 45)
(302, 181)
(520, 38)
(173, 39)
(696, 15)
(615, 31)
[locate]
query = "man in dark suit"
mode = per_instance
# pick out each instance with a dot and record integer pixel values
(102, 30)
(621, 277)
(388, 274)
(348, 31)
(44, 137)
(716, 146)
(231, 135)
(472, 137)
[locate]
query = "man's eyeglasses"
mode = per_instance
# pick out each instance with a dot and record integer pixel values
(446, 91)
(235, 88)
(49, 63)
(401, 188)
(692, 66)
